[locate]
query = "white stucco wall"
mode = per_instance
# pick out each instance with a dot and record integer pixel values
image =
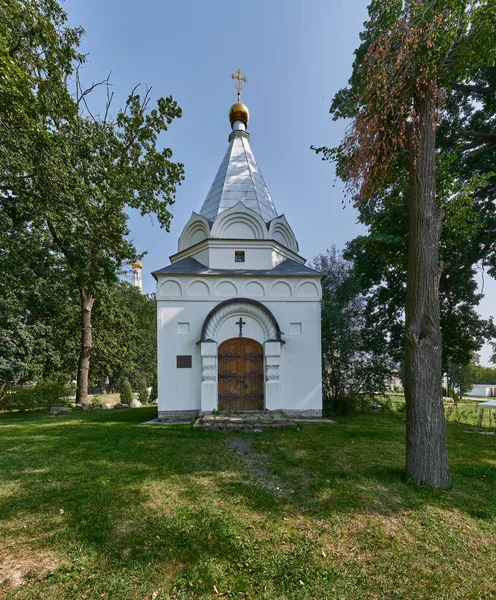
(219, 254)
(483, 390)
(183, 303)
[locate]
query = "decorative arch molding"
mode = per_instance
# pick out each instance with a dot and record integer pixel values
(239, 222)
(235, 305)
(254, 287)
(281, 232)
(308, 289)
(280, 289)
(199, 287)
(196, 230)
(171, 287)
(226, 287)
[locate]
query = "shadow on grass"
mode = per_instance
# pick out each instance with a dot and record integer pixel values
(134, 493)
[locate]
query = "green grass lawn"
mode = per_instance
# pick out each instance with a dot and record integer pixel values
(95, 505)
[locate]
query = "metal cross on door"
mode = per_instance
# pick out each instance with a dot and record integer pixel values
(241, 378)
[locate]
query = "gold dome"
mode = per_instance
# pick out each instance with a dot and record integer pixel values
(239, 112)
(137, 265)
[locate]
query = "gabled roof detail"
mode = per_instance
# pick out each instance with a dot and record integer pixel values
(239, 180)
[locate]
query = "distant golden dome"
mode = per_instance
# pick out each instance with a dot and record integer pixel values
(137, 265)
(239, 112)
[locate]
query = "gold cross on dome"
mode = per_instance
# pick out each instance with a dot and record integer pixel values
(239, 81)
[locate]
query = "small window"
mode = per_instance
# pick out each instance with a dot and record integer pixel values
(239, 256)
(184, 362)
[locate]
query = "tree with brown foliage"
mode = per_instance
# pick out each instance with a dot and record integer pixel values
(412, 53)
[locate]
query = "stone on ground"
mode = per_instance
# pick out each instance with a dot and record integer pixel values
(121, 405)
(107, 405)
(135, 404)
(60, 410)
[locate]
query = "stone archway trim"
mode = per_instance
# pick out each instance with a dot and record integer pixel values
(233, 305)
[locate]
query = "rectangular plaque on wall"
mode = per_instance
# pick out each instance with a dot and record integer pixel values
(184, 362)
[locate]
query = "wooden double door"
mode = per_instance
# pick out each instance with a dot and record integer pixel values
(241, 375)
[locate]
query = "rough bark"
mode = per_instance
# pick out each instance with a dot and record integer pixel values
(426, 450)
(85, 350)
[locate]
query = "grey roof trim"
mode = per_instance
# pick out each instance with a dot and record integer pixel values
(190, 266)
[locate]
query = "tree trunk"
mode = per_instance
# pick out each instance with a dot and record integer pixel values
(86, 346)
(426, 450)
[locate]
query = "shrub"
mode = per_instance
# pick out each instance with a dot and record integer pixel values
(44, 395)
(19, 399)
(143, 396)
(154, 392)
(126, 392)
(51, 393)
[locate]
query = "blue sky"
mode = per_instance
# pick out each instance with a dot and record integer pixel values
(296, 55)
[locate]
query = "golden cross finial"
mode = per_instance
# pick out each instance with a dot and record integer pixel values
(239, 81)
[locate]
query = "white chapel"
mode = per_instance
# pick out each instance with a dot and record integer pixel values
(238, 312)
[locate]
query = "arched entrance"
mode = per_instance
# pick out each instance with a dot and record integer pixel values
(241, 375)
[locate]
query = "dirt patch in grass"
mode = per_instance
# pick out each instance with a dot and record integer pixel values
(258, 465)
(17, 570)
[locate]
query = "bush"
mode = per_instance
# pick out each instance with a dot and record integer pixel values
(352, 403)
(19, 399)
(44, 395)
(126, 392)
(143, 396)
(51, 393)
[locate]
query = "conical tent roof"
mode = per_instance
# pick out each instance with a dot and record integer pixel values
(239, 180)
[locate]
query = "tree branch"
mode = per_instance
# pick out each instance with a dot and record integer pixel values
(474, 89)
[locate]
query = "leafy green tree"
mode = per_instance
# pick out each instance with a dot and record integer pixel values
(37, 313)
(355, 366)
(380, 264)
(79, 183)
(461, 379)
(125, 336)
(466, 135)
(483, 375)
(412, 52)
(37, 53)
(126, 392)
